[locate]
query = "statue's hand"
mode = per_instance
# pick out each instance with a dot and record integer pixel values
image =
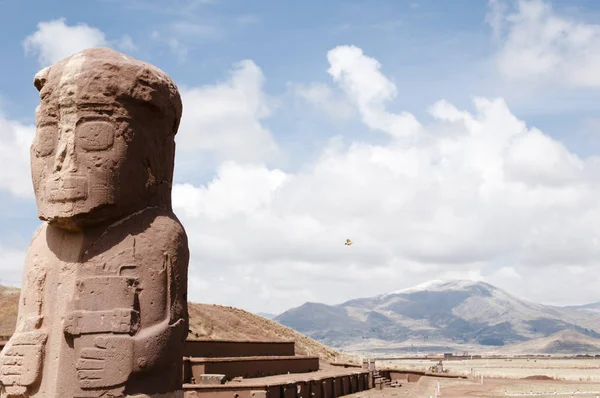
(108, 364)
(21, 361)
(15, 392)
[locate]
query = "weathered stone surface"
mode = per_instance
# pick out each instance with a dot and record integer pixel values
(258, 394)
(103, 308)
(208, 379)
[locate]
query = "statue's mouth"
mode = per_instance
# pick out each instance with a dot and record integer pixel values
(67, 188)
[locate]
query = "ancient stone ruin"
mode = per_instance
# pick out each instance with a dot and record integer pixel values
(103, 309)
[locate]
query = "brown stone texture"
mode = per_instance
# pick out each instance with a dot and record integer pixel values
(223, 348)
(103, 308)
(252, 366)
(211, 379)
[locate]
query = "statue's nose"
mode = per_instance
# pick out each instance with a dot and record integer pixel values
(65, 159)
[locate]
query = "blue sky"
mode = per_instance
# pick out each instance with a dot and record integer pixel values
(312, 147)
(430, 49)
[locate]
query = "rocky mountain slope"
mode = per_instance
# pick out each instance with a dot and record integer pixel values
(438, 316)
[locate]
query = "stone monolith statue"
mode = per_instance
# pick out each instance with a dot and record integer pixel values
(103, 307)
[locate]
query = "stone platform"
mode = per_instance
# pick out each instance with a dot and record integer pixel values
(250, 367)
(319, 384)
(271, 375)
(234, 348)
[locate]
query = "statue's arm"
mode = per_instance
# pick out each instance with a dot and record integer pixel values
(21, 315)
(21, 358)
(154, 345)
(33, 282)
(150, 348)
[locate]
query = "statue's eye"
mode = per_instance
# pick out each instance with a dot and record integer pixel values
(45, 140)
(95, 135)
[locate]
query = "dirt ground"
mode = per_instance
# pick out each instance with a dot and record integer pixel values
(461, 388)
(568, 369)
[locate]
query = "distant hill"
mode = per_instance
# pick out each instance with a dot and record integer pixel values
(266, 315)
(438, 316)
(594, 307)
(9, 305)
(208, 322)
(563, 342)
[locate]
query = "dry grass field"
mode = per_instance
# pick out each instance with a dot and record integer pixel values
(228, 323)
(472, 388)
(576, 370)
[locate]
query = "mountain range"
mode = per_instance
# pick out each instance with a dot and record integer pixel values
(458, 315)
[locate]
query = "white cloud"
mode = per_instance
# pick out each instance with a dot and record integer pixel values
(508, 272)
(55, 40)
(322, 97)
(539, 45)
(359, 76)
(470, 191)
(178, 48)
(126, 44)
(196, 30)
(495, 16)
(177, 7)
(556, 285)
(254, 187)
(226, 118)
(538, 159)
(15, 139)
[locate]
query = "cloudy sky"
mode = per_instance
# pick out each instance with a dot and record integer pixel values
(446, 139)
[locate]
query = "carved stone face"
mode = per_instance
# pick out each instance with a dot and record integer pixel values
(100, 150)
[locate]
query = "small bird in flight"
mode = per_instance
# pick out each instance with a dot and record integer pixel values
(348, 242)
